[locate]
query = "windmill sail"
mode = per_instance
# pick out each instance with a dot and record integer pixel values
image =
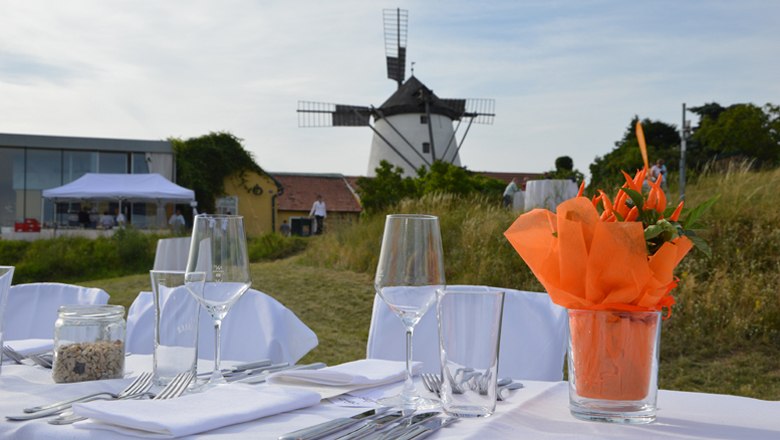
(325, 114)
(396, 27)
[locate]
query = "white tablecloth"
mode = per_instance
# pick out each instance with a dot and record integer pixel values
(539, 411)
(548, 193)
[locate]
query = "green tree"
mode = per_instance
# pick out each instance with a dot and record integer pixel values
(663, 142)
(386, 189)
(741, 130)
(444, 177)
(564, 169)
(203, 163)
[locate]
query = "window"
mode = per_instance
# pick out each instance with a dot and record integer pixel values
(427, 147)
(115, 163)
(423, 119)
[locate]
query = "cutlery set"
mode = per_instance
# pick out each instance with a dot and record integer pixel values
(375, 424)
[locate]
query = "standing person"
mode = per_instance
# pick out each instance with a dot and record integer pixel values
(659, 170)
(285, 228)
(509, 193)
(106, 220)
(84, 217)
(120, 219)
(176, 222)
(319, 212)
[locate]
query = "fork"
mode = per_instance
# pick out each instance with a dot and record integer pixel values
(141, 384)
(174, 389)
(433, 383)
(13, 354)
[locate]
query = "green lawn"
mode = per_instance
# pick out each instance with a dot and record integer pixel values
(336, 304)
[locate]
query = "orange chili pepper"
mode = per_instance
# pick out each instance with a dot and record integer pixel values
(630, 182)
(677, 211)
(633, 214)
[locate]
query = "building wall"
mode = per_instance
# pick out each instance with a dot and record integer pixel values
(255, 201)
(30, 164)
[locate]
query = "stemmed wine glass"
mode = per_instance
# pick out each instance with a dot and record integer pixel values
(218, 271)
(410, 270)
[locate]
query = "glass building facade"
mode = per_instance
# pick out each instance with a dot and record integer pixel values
(30, 164)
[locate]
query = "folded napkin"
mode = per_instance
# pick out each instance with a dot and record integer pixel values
(356, 374)
(193, 413)
(31, 346)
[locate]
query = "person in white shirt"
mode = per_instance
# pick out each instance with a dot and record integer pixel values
(509, 193)
(319, 212)
(120, 219)
(177, 222)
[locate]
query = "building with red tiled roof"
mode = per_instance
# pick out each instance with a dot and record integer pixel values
(300, 192)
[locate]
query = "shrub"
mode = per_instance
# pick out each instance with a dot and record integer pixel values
(273, 246)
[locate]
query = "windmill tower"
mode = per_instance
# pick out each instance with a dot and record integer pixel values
(413, 127)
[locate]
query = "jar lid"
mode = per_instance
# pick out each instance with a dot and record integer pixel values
(91, 311)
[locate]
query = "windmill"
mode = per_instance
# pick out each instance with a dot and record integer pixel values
(413, 127)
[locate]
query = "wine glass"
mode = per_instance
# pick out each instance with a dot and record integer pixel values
(410, 270)
(217, 271)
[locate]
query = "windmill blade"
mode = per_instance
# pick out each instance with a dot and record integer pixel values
(325, 114)
(396, 27)
(481, 110)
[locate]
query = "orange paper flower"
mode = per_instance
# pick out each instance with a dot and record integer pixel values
(588, 259)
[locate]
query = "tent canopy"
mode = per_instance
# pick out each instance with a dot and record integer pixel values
(123, 187)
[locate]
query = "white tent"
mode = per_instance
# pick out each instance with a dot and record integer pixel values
(122, 188)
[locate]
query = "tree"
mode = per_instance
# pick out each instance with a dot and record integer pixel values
(203, 163)
(663, 142)
(741, 130)
(564, 169)
(386, 189)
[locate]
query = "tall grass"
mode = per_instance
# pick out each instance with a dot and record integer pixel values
(475, 250)
(732, 300)
(724, 333)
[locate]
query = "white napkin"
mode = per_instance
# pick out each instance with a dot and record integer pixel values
(362, 373)
(193, 413)
(31, 346)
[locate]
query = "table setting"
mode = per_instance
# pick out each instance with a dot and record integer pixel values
(611, 391)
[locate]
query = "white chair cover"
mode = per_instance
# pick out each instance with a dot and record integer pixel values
(257, 327)
(533, 337)
(548, 193)
(32, 308)
(172, 253)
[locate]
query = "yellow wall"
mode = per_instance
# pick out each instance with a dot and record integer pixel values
(254, 201)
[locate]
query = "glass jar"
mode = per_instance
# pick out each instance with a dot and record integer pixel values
(89, 343)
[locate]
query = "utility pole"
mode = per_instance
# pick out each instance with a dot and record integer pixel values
(683, 137)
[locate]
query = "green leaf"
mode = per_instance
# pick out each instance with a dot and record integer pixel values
(699, 244)
(695, 213)
(636, 198)
(653, 231)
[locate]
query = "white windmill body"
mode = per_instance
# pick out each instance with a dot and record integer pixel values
(411, 135)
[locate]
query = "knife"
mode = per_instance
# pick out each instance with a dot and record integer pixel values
(402, 424)
(241, 367)
(329, 427)
(426, 428)
(260, 376)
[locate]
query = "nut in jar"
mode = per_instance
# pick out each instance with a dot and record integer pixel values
(89, 343)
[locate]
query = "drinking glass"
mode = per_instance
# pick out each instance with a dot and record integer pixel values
(410, 270)
(217, 271)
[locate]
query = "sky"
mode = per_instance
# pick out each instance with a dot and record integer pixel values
(567, 76)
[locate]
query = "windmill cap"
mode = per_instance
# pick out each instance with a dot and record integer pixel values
(411, 97)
